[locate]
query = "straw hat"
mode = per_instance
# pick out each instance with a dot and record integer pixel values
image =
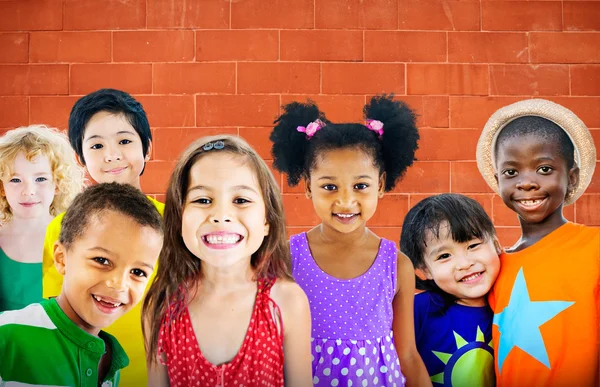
(585, 152)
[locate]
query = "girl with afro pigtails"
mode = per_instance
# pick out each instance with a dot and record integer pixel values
(360, 287)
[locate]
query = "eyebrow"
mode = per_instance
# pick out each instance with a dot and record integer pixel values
(438, 249)
(240, 187)
(355, 177)
(99, 136)
(140, 263)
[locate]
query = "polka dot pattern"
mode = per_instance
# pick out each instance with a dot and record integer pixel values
(259, 361)
(352, 341)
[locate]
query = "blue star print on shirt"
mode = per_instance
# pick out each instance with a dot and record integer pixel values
(519, 323)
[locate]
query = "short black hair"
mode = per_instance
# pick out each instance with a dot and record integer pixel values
(465, 216)
(296, 155)
(112, 101)
(542, 128)
(96, 199)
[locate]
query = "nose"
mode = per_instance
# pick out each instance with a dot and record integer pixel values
(221, 213)
(463, 262)
(28, 188)
(118, 280)
(345, 198)
(112, 153)
(527, 182)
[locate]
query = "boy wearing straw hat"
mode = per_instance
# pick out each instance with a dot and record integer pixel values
(539, 156)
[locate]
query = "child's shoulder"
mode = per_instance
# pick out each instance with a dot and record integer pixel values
(20, 325)
(287, 292)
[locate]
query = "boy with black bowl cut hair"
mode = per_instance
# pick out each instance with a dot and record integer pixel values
(539, 156)
(107, 251)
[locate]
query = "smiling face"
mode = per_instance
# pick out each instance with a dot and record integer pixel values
(465, 270)
(106, 269)
(533, 178)
(112, 150)
(224, 217)
(345, 187)
(29, 189)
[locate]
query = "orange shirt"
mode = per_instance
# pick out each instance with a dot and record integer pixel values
(545, 304)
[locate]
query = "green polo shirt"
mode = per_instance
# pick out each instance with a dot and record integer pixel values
(41, 346)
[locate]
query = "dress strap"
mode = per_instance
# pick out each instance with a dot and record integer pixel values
(264, 288)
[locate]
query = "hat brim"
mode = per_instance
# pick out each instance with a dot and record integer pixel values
(585, 151)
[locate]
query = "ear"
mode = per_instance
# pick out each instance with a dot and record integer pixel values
(60, 255)
(498, 246)
(267, 228)
(381, 189)
(80, 160)
(149, 151)
(573, 179)
(307, 190)
(423, 274)
(496, 177)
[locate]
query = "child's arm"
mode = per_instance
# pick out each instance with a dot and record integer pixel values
(295, 314)
(403, 326)
(157, 371)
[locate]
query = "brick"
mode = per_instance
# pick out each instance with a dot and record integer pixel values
(298, 188)
(321, 45)
(482, 47)
(53, 111)
(293, 230)
(581, 47)
(258, 77)
(299, 210)
(473, 112)
(447, 144)
(153, 46)
(585, 79)
(361, 78)
(337, 108)
(69, 47)
(594, 186)
(588, 209)
(432, 111)
(169, 111)
(405, 46)
(156, 176)
(15, 111)
(447, 79)
(521, 15)
(581, 15)
(586, 108)
(190, 78)
(356, 14)
(169, 143)
(31, 15)
(104, 14)
(425, 177)
(389, 233)
(276, 173)
(465, 178)
(272, 14)
(258, 138)
(439, 15)
(132, 78)
(596, 136)
(391, 210)
(503, 216)
(508, 236)
(529, 80)
(236, 110)
(14, 47)
(160, 197)
(237, 45)
(34, 79)
(188, 14)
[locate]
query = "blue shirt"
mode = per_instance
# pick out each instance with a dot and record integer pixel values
(454, 343)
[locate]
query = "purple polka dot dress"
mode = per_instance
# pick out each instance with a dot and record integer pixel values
(352, 341)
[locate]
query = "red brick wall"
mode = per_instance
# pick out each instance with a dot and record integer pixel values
(207, 66)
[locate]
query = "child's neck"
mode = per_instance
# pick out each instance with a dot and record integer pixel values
(27, 226)
(228, 279)
(532, 233)
(356, 238)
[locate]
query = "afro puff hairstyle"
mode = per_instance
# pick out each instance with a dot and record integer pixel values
(296, 155)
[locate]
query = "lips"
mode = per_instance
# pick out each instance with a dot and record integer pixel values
(29, 204)
(115, 171)
(106, 304)
(470, 278)
(345, 217)
(222, 240)
(530, 204)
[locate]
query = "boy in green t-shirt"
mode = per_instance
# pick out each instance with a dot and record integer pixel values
(110, 239)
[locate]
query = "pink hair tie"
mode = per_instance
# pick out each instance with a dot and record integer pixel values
(376, 126)
(311, 128)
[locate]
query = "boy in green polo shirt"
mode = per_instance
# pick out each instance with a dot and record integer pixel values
(110, 239)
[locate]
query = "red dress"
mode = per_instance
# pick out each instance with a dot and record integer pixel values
(259, 361)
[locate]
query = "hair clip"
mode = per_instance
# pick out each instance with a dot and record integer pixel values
(376, 126)
(311, 128)
(216, 145)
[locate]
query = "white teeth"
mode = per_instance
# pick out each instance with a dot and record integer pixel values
(530, 202)
(345, 215)
(471, 277)
(222, 239)
(100, 299)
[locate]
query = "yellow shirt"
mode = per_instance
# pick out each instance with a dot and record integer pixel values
(127, 329)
